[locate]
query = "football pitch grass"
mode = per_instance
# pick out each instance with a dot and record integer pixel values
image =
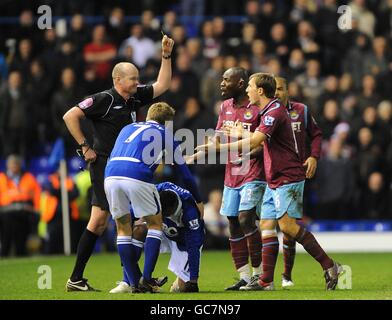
(371, 278)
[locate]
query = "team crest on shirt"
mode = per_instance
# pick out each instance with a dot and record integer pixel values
(248, 115)
(86, 103)
(268, 120)
(194, 224)
(294, 115)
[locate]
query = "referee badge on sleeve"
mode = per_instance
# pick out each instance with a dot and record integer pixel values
(86, 103)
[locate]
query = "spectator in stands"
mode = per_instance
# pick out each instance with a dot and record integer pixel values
(220, 33)
(68, 94)
(211, 45)
(116, 27)
(16, 131)
(143, 48)
(380, 132)
(194, 117)
(374, 199)
(259, 57)
(150, 25)
(210, 82)
(301, 10)
(296, 63)
(306, 40)
(169, 21)
(199, 64)
(329, 118)
(39, 90)
(347, 98)
(330, 37)
(367, 158)
(98, 55)
(384, 23)
(269, 15)
(248, 36)
(384, 112)
(19, 204)
(330, 90)
(376, 61)
(335, 184)
(78, 32)
(174, 96)
(179, 35)
(26, 29)
(296, 94)
(368, 95)
(68, 57)
(279, 44)
(355, 57)
(188, 79)
(311, 81)
(21, 62)
(364, 16)
(253, 16)
(230, 62)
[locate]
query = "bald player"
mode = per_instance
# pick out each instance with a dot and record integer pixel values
(109, 111)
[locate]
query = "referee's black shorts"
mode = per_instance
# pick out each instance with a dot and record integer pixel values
(97, 174)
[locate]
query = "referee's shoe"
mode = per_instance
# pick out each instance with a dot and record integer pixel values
(81, 285)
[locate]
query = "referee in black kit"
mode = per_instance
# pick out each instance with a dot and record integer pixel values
(109, 111)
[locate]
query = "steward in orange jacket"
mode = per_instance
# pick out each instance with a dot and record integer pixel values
(19, 200)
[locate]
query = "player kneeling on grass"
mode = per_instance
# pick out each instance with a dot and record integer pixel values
(183, 237)
(183, 229)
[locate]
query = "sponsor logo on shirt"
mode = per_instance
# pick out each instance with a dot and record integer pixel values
(118, 107)
(86, 103)
(294, 115)
(194, 224)
(296, 126)
(248, 115)
(268, 120)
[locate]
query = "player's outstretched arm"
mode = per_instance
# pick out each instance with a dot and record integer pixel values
(165, 73)
(244, 145)
(191, 159)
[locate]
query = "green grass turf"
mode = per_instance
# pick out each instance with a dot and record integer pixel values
(371, 278)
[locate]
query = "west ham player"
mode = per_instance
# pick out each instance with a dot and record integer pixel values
(303, 125)
(243, 189)
(183, 237)
(137, 152)
(285, 175)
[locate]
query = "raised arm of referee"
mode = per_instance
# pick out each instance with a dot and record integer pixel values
(109, 111)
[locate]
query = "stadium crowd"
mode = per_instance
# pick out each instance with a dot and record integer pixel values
(344, 76)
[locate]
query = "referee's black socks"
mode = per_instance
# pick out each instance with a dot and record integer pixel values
(85, 249)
